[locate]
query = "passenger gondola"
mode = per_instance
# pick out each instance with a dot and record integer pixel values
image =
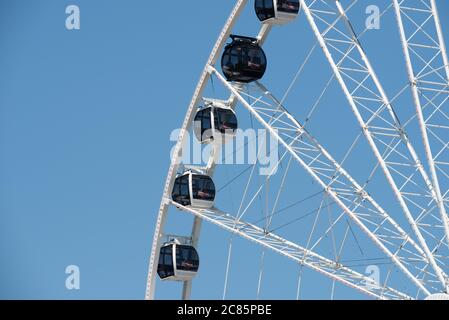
(277, 11)
(243, 60)
(194, 190)
(177, 262)
(215, 123)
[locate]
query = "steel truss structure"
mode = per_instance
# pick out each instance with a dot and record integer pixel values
(420, 251)
(428, 71)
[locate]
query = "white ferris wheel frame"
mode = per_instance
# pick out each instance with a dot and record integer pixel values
(318, 162)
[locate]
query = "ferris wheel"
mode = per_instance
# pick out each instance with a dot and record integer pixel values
(380, 198)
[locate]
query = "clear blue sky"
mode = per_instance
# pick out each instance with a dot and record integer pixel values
(85, 120)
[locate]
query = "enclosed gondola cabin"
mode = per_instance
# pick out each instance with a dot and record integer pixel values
(243, 60)
(215, 123)
(194, 190)
(177, 262)
(277, 11)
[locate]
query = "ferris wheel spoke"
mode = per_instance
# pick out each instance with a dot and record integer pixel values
(428, 71)
(340, 28)
(327, 267)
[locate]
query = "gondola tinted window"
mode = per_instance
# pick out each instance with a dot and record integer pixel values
(165, 266)
(203, 125)
(225, 120)
(187, 258)
(264, 9)
(289, 6)
(243, 60)
(181, 192)
(203, 188)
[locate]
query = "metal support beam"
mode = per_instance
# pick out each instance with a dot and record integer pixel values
(336, 29)
(415, 88)
(328, 268)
